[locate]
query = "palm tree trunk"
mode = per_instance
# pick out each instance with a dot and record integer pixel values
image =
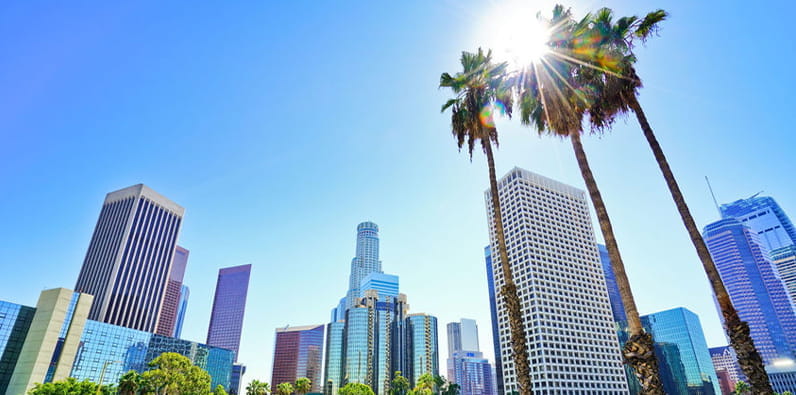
(517, 327)
(738, 331)
(639, 352)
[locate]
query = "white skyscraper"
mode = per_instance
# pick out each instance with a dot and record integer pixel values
(129, 258)
(572, 345)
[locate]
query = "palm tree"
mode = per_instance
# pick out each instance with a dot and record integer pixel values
(479, 88)
(552, 101)
(618, 96)
(284, 389)
(129, 383)
(303, 385)
(257, 387)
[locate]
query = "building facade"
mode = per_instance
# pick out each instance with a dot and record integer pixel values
(725, 360)
(755, 288)
(617, 306)
(185, 293)
(490, 279)
(553, 254)
(422, 343)
(683, 352)
(472, 372)
(229, 305)
(15, 321)
(169, 313)
(129, 257)
(236, 379)
(333, 363)
(765, 218)
(298, 352)
(785, 261)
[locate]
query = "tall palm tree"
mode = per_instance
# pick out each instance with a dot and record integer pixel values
(618, 96)
(129, 383)
(479, 88)
(553, 101)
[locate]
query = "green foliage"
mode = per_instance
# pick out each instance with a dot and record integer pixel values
(132, 383)
(355, 389)
(257, 387)
(741, 388)
(220, 390)
(303, 385)
(173, 374)
(70, 386)
(445, 387)
(399, 384)
(284, 389)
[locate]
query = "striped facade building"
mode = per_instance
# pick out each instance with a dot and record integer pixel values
(129, 259)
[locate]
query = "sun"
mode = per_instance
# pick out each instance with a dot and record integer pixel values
(515, 35)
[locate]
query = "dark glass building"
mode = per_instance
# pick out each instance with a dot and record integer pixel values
(755, 288)
(493, 314)
(15, 321)
(229, 304)
(617, 307)
(298, 352)
(129, 257)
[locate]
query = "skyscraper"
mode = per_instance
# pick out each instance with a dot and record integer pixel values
(680, 346)
(724, 359)
(764, 217)
(422, 342)
(617, 307)
(490, 280)
(229, 304)
(571, 337)
(185, 293)
(754, 286)
(467, 366)
(462, 335)
(785, 260)
(171, 302)
(366, 260)
(298, 353)
(129, 257)
(333, 363)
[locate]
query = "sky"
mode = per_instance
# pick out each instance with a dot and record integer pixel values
(281, 126)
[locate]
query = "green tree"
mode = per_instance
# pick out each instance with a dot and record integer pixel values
(480, 89)
(619, 96)
(220, 390)
(399, 384)
(445, 387)
(257, 387)
(552, 101)
(130, 383)
(173, 374)
(355, 389)
(71, 386)
(284, 389)
(741, 388)
(303, 385)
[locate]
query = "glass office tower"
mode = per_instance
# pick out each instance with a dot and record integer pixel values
(490, 280)
(472, 372)
(297, 353)
(764, 217)
(169, 313)
(681, 347)
(229, 305)
(755, 288)
(617, 307)
(15, 321)
(334, 357)
(422, 343)
(785, 260)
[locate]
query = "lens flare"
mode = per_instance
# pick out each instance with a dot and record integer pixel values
(487, 114)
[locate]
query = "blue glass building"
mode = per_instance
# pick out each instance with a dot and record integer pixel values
(334, 357)
(15, 321)
(423, 346)
(103, 342)
(785, 261)
(472, 372)
(493, 314)
(764, 217)
(185, 293)
(617, 307)
(754, 286)
(682, 350)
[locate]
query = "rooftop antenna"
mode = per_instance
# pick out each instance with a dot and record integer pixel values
(713, 195)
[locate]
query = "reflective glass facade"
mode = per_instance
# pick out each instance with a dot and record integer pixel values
(298, 353)
(366, 260)
(358, 335)
(473, 373)
(334, 357)
(185, 293)
(617, 307)
(755, 288)
(423, 345)
(785, 260)
(681, 349)
(490, 279)
(725, 360)
(171, 301)
(765, 218)
(236, 380)
(229, 304)
(103, 342)
(15, 321)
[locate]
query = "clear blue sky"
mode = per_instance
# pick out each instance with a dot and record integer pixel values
(280, 126)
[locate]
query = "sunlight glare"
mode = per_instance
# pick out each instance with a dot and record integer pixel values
(517, 36)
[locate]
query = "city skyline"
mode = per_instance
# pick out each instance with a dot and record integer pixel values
(81, 120)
